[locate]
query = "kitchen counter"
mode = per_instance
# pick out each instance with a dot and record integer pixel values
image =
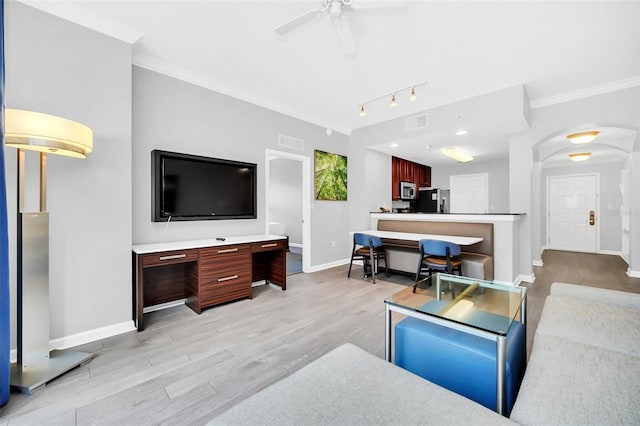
(506, 234)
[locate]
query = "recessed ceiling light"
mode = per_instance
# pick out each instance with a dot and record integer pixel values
(394, 145)
(461, 132)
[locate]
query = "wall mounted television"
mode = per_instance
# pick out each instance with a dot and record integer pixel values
(191, 187)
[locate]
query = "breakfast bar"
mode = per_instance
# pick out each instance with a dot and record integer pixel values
(502, 241)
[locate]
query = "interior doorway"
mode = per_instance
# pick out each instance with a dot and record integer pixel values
(572, 212)
(287, 207)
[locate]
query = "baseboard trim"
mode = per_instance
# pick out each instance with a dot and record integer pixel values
(329, 265)
(85, 337)
(297, 245)
(633, 274)
(525, 278)
(537, 262)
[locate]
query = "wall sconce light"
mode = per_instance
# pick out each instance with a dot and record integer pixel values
(26, 130)
(456, 154)
(412, 97)
(583, 137)
(580, 156)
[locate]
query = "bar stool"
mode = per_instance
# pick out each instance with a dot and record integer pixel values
(370, 250)
(439, 256)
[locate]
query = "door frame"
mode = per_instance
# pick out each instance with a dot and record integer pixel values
(548, 210)
(270, 155)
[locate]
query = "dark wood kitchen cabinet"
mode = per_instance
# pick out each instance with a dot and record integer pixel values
(407, 171)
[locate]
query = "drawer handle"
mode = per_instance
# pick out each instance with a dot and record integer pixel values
(270, 245)
(232, 277)
(228, 250)
(173, 256)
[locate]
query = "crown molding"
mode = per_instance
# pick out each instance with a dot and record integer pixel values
(83, 17)
(161, 67)
(586, 93)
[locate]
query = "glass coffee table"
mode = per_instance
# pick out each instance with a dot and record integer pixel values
(476, 307)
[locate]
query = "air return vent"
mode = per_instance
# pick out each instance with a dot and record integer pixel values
(290, 142)
(417, 122)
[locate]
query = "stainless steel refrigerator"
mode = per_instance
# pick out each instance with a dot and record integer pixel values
(432, 201)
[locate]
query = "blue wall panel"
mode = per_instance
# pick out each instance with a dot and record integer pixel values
(5, 329)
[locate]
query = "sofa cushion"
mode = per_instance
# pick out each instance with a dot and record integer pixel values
(570, 383)
(609, 326)
(349, 386)
(601, 295)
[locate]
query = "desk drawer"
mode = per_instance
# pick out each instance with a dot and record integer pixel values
(169, 258)
(230, 290)
(225, 277)
(269, 245)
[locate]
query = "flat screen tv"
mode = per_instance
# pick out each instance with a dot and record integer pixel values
(191, 187)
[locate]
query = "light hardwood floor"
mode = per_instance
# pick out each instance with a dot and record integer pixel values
(185, 368)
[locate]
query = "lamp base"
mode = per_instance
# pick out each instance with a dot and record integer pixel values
(30, 379)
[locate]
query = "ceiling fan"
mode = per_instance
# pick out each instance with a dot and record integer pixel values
(337, 10)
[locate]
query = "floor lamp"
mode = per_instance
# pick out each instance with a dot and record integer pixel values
(26, 130)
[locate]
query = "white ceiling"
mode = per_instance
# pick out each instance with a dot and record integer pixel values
(463, 49)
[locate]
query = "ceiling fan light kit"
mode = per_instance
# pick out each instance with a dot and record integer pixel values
(583, 137)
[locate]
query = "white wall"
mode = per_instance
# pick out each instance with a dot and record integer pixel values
(610, 200)
(173, 115)
(618, 109)
(59, 68)
(498, 172)
(285, 192)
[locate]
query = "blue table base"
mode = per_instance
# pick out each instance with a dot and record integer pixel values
(460, 362)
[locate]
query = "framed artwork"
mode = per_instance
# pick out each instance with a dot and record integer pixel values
(330, 176)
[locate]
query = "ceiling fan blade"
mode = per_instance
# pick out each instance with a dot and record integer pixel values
(348, 43)
(300, 20)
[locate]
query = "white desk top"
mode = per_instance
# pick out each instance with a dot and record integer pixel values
(462, 241)
(184, 245)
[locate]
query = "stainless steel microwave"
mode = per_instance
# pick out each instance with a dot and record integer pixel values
(408, 191)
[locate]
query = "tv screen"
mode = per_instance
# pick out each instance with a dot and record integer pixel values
(191, 187)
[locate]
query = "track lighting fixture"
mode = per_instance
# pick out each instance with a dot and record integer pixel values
(412, 97)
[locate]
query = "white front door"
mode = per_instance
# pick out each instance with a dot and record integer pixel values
(572, 212)
(469, 193)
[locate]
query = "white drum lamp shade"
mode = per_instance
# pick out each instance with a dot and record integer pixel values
(46, 133)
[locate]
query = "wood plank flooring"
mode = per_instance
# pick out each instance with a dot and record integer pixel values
(185, 368)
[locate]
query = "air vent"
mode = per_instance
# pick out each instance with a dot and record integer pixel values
(417, 122)
(290, 142)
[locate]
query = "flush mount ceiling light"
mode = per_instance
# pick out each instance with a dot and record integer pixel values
(580, 156)
(583, 137)
(394, 145)
(46, 133)
(456, 154)
(461, 132)
(394, 102)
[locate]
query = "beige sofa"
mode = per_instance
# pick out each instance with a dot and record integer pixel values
(584, 369)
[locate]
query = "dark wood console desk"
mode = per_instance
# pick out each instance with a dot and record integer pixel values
(205, 272)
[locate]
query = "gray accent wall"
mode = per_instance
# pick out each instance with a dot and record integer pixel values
(173, 115)
(59, 68)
